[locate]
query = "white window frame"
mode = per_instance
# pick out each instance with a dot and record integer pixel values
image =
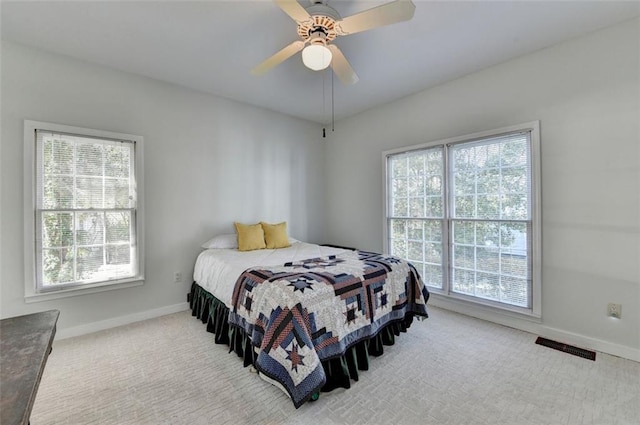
(32, 294)
(533, 127)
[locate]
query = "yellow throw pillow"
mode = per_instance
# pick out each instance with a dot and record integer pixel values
(275, 235)
(250, 236)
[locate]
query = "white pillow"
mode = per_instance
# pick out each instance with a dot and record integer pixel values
(229, 241)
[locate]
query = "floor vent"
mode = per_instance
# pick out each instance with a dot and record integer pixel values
(580, 352)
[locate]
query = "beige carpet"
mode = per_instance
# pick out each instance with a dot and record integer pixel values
(449, 369)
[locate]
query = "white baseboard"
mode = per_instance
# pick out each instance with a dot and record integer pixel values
(536, 328)
(484, 314)
(120, 321)
(590, 343)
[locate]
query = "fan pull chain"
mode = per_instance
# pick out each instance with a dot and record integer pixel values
(333, 113)
(324, 104)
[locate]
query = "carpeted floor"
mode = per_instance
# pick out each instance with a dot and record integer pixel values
(449, 369)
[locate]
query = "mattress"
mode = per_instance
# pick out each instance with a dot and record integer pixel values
(217, 270)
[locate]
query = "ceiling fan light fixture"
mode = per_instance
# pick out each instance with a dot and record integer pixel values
(320, 24)
(316, 57)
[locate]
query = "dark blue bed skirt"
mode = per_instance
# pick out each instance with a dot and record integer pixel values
(339, 371)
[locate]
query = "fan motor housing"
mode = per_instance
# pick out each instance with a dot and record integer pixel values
(318, 23)
(323, 19)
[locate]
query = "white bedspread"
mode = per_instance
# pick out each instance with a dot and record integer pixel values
(217, 270)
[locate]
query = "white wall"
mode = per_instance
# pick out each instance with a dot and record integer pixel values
(586, 95)
(208, 161)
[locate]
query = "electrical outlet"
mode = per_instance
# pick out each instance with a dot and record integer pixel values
(614, 310)
(177, 277)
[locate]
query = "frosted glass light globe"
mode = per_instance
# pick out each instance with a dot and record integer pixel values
(316, 57)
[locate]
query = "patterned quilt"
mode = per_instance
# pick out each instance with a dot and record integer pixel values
(304, 312)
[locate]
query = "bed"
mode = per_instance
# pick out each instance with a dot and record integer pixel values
(307, 317)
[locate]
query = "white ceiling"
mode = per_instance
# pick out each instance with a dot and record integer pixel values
(211, 46)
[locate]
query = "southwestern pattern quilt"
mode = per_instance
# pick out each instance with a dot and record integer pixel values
(301, 313)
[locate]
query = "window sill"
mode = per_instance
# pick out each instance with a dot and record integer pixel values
(482, 310)
(34, 297)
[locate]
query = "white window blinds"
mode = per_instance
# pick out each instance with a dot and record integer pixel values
(462, 212)
(491, 219)
(85, 210)
(416, 203)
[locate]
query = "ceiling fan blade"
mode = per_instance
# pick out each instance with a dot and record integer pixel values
(279, 57)
(341, 66)
(294, 10)
(386, 14)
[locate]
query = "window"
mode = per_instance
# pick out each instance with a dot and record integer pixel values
(465, 212)
(86, 207)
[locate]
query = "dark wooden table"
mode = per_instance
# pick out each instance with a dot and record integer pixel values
(25, 344)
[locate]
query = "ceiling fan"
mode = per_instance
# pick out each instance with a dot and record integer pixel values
(319, 24)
